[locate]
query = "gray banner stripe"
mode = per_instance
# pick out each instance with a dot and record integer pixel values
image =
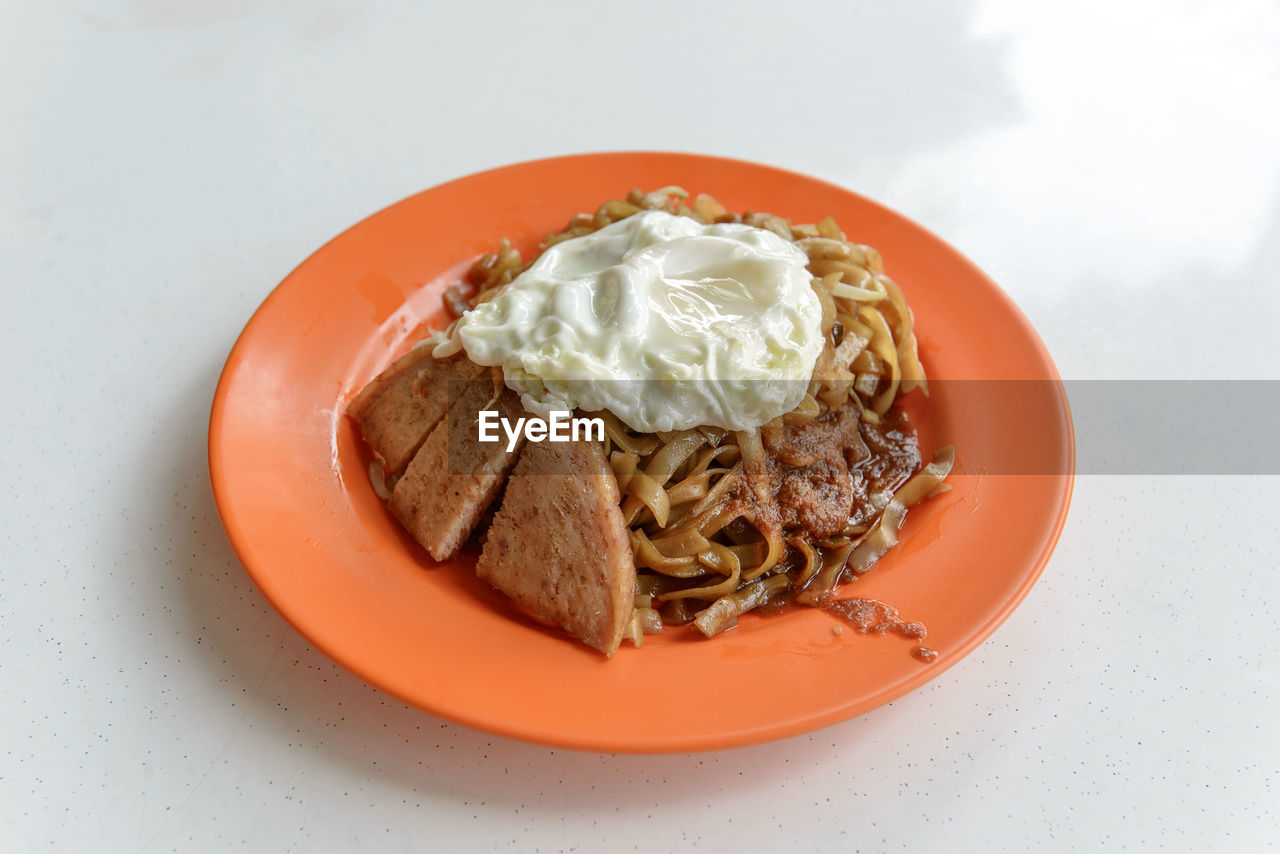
(1122, 427)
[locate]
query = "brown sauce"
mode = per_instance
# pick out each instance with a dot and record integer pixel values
(894, 456)
(928, 656)
(867, 616)
(818, 478)
(873, 617)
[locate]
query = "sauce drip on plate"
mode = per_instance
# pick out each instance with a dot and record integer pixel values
(873, 617)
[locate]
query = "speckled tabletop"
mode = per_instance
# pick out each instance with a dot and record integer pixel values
(165, 164)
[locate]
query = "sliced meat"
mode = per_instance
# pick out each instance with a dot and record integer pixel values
(558, 545)
(454, 477)
(401, 405)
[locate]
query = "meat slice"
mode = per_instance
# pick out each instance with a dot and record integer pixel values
(558, 545)
(454, 477)
(401, 405)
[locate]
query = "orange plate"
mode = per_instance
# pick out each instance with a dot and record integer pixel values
(289, 478)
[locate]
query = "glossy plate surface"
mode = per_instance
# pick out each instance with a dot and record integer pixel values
(289, 478)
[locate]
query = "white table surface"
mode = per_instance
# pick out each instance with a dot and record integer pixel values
(1116, 167)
